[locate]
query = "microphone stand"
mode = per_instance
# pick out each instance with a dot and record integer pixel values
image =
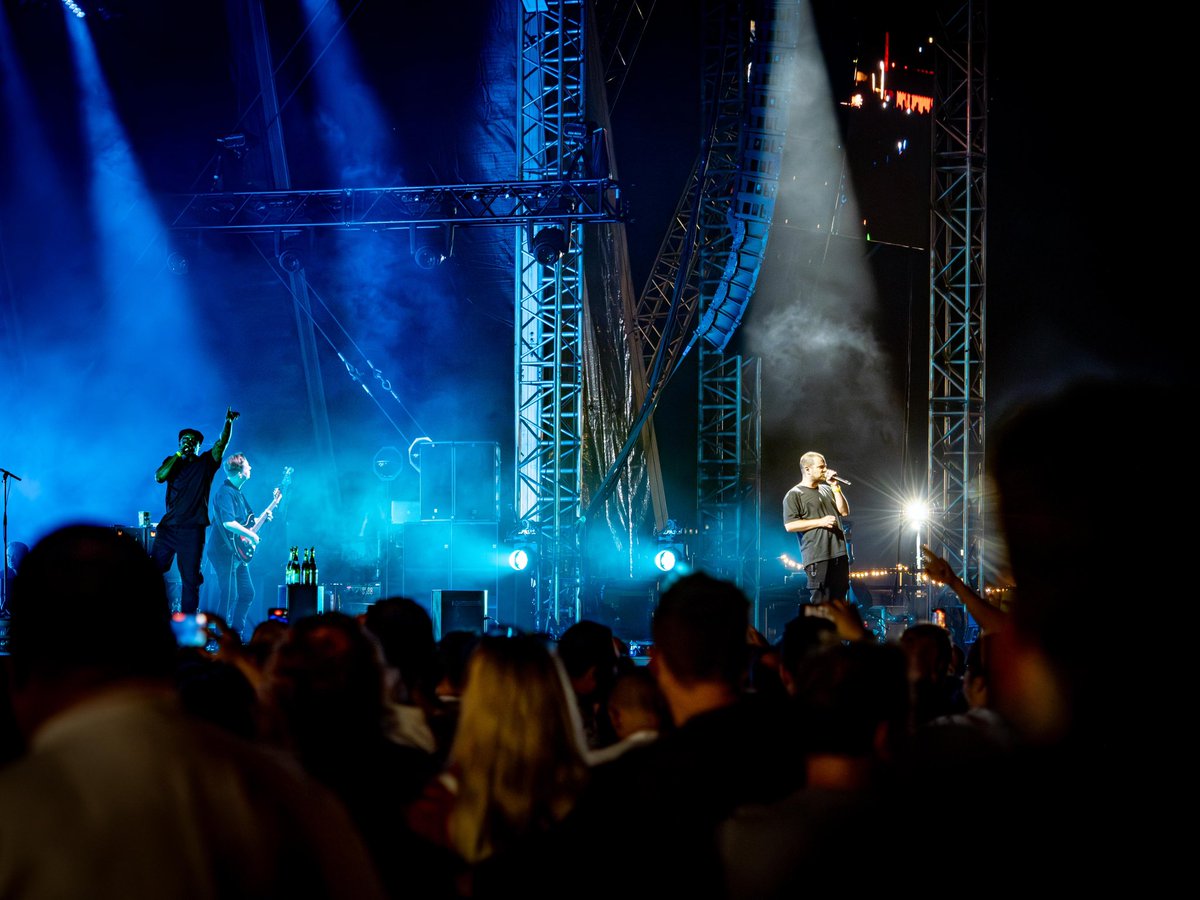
(4, 578)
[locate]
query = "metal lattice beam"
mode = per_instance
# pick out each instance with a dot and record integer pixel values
(549, 310)
(958, 284)
(548, 200)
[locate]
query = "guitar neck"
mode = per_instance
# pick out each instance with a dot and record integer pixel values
(258, 521)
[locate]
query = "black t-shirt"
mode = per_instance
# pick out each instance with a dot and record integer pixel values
(816, 544)
(228, 504)
(187, 491)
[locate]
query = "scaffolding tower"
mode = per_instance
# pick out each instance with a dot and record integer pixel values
(549, 309)
(958, 290)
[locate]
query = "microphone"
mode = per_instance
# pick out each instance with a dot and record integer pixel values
(840, 480)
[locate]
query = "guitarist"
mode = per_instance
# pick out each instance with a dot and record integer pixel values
(233, 521)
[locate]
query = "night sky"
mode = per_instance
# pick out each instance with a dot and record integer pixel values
(1082, 263)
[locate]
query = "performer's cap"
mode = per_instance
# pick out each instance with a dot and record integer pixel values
(199, 436)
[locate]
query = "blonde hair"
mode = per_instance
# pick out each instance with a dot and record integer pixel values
(518, 747)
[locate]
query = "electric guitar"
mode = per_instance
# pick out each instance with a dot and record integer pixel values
(242, 545)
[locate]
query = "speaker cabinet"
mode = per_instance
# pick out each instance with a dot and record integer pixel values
(460, 481)
(458, 611)
(449, 556)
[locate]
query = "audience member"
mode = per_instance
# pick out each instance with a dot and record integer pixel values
(654, 810)
(802, 637)
(121, 793)
(980, 718)
(589, 655)
(935, 692)
(328, 680)
(637, 710)
(1078, 679)
(1076, 802)
(218, 691)
(405, 632)
(453, 653)
(852, 701)
(514, 772)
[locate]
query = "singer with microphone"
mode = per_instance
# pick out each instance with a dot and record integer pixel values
(813, 510)
(181, 531)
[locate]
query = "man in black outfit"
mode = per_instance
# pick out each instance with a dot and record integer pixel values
(230, 514)
(182, 528)
(813, 509)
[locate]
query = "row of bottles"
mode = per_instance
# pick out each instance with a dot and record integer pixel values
(298, 572)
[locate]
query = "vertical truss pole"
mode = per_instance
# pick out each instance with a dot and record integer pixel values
(729, 469)
(549, 311)
(750, 486)
(721, 402)
(958, 290)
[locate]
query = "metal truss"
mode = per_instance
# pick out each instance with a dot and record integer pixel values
(729, 469)
(548, 199)
(719, 487)
(958, 292)
(549, 310)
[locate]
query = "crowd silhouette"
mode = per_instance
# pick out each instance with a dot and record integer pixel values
(358, 757)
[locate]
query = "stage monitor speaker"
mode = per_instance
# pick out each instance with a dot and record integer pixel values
(458, 611)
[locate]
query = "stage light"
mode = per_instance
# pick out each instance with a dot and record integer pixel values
(427, 257)
(177, 263)
(523, 554)
(518, 560)
(290, 261)
(671, 555)
(665, 560)
(916, 513)
(74, 8)
(429, 246)
(549, 245)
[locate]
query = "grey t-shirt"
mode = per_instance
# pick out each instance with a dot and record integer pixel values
(816, 544)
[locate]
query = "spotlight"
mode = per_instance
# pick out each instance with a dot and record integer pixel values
(916, 513)
(524, 548)
(549, 245)
(672, 551)
(290, 261)
(665, 560)
(177, 263)
(518, 560)
(428, 246)
(427, 257)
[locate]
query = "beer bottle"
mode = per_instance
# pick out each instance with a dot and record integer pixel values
(306, 570)
(292, 572)
(312, 563)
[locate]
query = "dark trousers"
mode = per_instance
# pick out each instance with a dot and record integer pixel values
(828, 579)
(236, 588)
(187, 544)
